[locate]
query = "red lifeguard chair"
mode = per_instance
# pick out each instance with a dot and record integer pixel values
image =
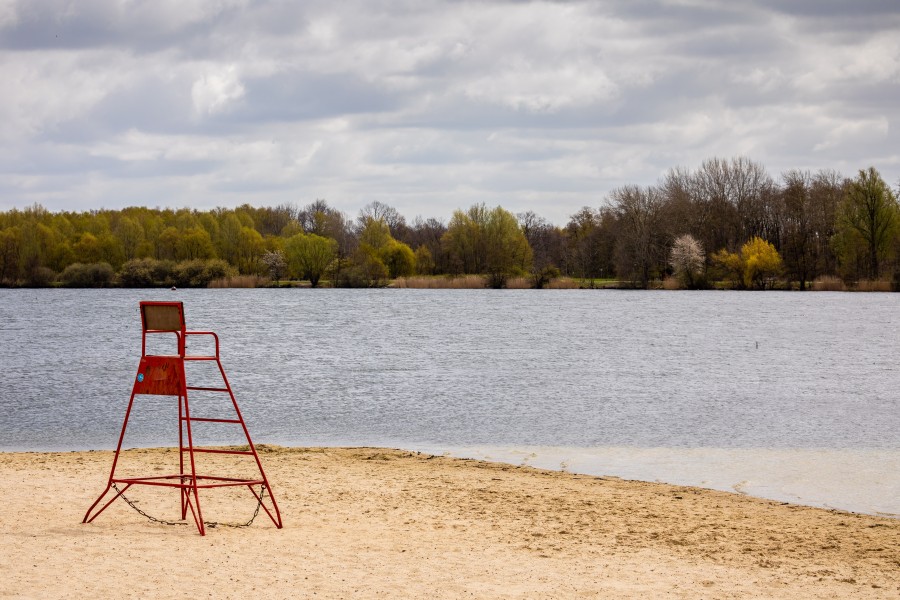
(165, 375)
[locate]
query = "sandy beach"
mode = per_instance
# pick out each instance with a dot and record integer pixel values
(376, 523)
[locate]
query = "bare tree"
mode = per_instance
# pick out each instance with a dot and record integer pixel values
(733, 200)
(826, 194)
(427, 233)
(640, 246)
(798, 240)
(378, 211)
(546, 241)
(679, 190)
(313, 217)
(583, 251)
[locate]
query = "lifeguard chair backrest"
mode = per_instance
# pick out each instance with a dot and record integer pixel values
(162, 316)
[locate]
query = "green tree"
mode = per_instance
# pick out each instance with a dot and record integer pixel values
(87, 249)
(507, 252)
(167, 243)
(399, 259)
(35, 243)
(730, 266)
(291, 229)
(229, 238)
(185, 219)
(111, 250)
(375, 237)
(10, 247)
(462, 241)
(309, 256)
(869, 218)
(249, 250)
(374, 233)
(194, 243)
(131, 234)
(488, 242)
(424, 261)
(365, 269)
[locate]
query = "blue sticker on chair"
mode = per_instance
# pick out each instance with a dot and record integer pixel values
(140, 377)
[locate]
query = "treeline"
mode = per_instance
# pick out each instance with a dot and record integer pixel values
(727, 220)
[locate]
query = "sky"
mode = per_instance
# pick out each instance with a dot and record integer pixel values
(431, 106)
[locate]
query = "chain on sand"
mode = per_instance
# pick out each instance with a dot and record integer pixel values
(212, 524)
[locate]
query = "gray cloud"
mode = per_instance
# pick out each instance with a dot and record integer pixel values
(431, 106)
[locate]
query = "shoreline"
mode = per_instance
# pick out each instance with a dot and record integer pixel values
(377, 523)
(862, 481)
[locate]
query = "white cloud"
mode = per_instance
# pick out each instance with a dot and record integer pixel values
(43, 89)
(9, 16)
(215, 90)
(521, 86)
(852, 132)
(429, 106)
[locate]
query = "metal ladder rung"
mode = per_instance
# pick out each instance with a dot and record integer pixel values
(216, 451)
(206, 389)
(208, 420)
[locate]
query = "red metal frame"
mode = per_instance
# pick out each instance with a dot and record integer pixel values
(165, 375)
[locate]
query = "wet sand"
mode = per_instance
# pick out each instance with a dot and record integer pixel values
(376, 523)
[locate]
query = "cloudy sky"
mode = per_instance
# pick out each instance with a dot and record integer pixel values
(430, 106)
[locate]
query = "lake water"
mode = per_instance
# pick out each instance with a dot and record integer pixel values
(792, 396)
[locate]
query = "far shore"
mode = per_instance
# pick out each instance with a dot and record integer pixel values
(480, 282)
(380, 523)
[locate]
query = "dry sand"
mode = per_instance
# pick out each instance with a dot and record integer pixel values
(374, 523)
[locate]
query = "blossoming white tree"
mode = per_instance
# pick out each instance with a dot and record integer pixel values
(687, 260)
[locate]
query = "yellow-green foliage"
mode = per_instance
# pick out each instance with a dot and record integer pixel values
(757, 265)
(762, 263)
(424, 261)
(731, 266)
(375, 233)
(398, 258)
(379, 246)
(487, 241)
(309, 256)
